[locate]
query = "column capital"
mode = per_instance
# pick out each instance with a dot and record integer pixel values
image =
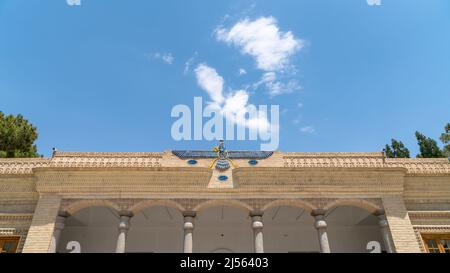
(254, 213)
(64, 214)
(379, 212)
(189, 213)
(126, 213)
(318, 212)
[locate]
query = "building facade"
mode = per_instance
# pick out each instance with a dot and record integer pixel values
(236, 201)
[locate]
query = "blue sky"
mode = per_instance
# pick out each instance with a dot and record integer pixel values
(104, 75)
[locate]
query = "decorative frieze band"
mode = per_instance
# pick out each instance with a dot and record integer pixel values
(247, 204)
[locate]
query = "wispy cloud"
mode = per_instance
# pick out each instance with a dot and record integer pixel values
(242, 71)
(73, 2)
(276, 87)
(307, 129)
(165, 57)
(374, 2)
(189, 62)
(230, 105)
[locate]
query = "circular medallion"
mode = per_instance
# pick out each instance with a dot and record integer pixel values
(192, 162)
(223, 177)
(253, 162)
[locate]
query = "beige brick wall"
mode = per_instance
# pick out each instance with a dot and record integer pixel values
(402, 231)
(42, 225)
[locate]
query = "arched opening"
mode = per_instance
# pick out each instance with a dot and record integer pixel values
(353, 229)
(156, 229)
(93, 228)
(223, 228)
(289, 229)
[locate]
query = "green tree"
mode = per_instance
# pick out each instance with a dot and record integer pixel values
(17, 137)
(428, 147)
(396, 149)
(445, 138)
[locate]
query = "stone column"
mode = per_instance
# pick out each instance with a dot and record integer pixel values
(188, 228)
(385, 233)
(321, 226)
(124, 226)
(59, 226)
(257, 226)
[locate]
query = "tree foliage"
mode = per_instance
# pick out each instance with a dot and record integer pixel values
(428, 147)
(17, 137)
(396, 149)
(445, 138)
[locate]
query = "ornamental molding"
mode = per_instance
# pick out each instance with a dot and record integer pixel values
(16, 217)
(429, 214)
(21, 166)
(135, 205)
(411, 166)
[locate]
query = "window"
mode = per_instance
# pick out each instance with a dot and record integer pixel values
(437, 243)
(9, 244)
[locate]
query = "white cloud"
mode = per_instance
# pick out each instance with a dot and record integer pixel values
(242, 71)
(233, 104)
(276, 87)
(263, 40)
(374, 2)
(271, 48)
(73, 2)
(210, 81)
(307, 129)
(189, 62)
(165, 57)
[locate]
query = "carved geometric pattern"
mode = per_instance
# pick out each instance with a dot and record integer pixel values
(435, 166)
(98, 160)
(21, 165)
(413, 166)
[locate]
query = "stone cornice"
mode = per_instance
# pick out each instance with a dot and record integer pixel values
(15, 166)
(412, 166)
(108, 154)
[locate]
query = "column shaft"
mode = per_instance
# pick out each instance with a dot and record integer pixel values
(188, 228)
(321, 226)
(257, 226)
(124, 226)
